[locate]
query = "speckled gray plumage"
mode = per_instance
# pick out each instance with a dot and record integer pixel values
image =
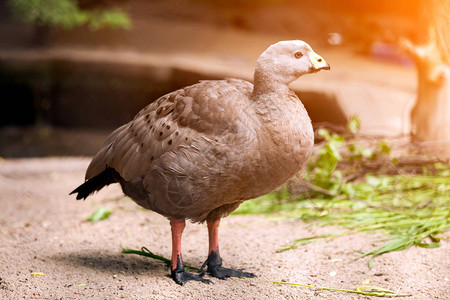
(198, 152)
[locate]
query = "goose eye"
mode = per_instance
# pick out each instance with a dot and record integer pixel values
(298, 54)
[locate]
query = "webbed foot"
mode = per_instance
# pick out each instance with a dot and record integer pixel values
(215, 269)
(182, 276)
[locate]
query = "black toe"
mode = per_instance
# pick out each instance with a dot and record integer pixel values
(181, 277)
(224, 273)
(215, 269)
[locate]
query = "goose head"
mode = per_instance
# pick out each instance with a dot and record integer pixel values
(286, 61)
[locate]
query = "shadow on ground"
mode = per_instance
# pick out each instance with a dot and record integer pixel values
(111, 263)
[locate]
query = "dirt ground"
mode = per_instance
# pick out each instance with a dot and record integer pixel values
(43, 229)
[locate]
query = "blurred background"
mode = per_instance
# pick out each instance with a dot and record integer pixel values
(73, 70)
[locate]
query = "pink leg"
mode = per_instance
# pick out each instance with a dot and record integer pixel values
(178, 274)
(213, 233)
(177, 227)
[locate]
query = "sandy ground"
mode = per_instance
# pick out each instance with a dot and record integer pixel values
(43, 229)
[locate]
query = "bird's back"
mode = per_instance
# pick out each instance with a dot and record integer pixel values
(206, 109)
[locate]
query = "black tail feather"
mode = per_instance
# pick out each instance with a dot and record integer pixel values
(96, 183)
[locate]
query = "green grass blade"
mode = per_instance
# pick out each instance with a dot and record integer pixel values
(363, 290)
(145, 252)
(100, 214)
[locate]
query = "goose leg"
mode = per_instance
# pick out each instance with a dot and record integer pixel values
(214, 261)
(178, 274)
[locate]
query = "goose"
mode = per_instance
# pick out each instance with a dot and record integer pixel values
(197, 153)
